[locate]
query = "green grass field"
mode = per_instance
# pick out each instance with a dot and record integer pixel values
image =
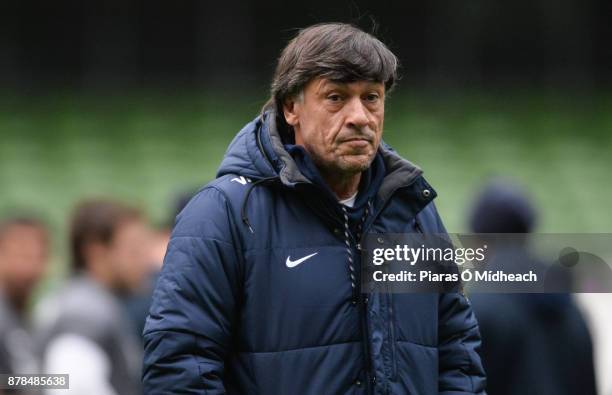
(59, 149)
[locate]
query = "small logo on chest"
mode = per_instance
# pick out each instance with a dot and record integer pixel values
(296, 262)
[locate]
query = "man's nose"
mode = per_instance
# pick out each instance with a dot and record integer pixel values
(357, 116)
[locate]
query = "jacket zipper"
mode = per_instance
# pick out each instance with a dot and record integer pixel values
(392, 340)
(389, 299)
(366, 344)
(363, 317)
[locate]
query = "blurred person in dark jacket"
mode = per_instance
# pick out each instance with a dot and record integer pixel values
(532, 344)
(84, 327)
(24, 252)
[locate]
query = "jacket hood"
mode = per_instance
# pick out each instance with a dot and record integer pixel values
(244, 155)
(257, 152)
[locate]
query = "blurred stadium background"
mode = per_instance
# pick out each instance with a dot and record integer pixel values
(138, 100)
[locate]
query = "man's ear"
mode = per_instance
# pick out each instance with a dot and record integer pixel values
(290, 111)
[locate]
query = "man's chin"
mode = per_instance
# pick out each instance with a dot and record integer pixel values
(348, 164)
(355, 165)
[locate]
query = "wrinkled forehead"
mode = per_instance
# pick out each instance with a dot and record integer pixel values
(322, 84)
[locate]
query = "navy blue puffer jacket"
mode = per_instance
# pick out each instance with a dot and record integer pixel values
(232, 314)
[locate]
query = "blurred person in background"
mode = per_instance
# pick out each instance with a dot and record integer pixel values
(24, 253)
(161, 235)
(532, 344)
(84, 328)
(138, 303)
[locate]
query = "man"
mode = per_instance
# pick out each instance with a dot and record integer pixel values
(260, 289)
(24, 253)
(84, 328)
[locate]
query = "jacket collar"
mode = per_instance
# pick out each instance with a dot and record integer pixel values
(400, 173)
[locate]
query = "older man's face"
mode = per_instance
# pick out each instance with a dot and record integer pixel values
(339, 124)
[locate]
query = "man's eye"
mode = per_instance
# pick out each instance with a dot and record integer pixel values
(372, 97)
(334, 97)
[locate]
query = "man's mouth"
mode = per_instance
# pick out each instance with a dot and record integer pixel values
(357, 139)
(357, 144)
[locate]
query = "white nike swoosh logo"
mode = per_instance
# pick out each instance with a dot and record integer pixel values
(291, 263)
